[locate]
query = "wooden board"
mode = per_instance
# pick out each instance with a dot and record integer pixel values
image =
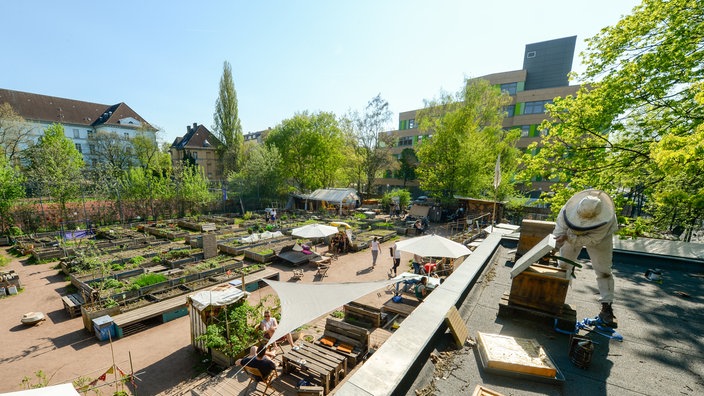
(516, 355)
(457, 326)
(482, 391)
(533, 255)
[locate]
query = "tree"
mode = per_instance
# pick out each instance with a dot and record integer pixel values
(466, 139)
(192, 190)
(227, 123)
(407, 165)
(373, 145)
(11, 190)
(113, 151)
(309, 145)
(635, 127)
(55, 165)
(15, 133)
(260, 175)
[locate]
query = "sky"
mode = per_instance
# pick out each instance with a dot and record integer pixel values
(165, 58)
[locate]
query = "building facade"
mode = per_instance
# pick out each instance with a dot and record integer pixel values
(200, 146)
(81, 120)
(544, 76)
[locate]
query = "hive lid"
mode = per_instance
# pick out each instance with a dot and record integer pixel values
(534, 254)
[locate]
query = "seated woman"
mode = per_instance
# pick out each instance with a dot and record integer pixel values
(269, 325)
(421, 289)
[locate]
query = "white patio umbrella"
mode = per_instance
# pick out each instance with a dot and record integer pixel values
(433, 246)
(314, 231)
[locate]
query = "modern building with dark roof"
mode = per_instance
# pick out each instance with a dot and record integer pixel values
(80, 119)
(544, 76)
(200, 145)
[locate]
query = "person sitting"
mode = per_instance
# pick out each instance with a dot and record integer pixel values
(269, 325)
(421, 288)
(407, 284)
(419, 227)
(258, 360)
(429, 267)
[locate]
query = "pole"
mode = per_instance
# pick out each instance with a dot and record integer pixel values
(134, 383)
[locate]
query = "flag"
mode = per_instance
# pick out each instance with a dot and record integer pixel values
(497, 173)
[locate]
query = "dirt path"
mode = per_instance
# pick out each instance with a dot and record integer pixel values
(161, 356)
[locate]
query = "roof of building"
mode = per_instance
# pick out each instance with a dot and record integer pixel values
(197, 136)
(35, 107)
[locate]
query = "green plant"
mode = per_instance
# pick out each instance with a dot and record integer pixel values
(241, 322)
(149, 279)
(360, 216)
(15, 231)
(138, 260)
(248, 215)
(337, 314)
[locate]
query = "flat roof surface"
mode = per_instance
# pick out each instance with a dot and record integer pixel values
(662, 352)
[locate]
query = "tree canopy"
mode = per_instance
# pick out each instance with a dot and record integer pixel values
(227, 127)
(466, 138)
(635, 127)
(55, 165)
(11, 189)
(372, 147)
(309, 145)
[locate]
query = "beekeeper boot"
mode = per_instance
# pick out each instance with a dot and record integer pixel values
(607, 315)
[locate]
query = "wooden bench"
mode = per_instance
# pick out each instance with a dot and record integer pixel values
(345, 333)
(72, 304)
(363, 313)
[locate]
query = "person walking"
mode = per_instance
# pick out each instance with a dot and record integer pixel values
(375, 250)
(588, 219)
(397, 261)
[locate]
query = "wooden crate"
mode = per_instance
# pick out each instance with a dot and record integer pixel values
(540, 287)
(532, 232)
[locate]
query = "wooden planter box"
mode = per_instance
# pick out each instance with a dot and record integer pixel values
(260, 258)
(540, 287)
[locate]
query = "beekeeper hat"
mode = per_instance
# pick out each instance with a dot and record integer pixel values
(588, 209)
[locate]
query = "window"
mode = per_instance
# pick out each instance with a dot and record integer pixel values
(91, 148)
(525, 131)
(78, 147)
(405, 141)
(509, 88)
(127, 135)
(76, 133)
(537, 107)
(411, 124)
(510, 109)
(90, 133)
(530, 54)
(194, 155)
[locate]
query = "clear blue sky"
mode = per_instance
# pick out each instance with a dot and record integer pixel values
(165, 58)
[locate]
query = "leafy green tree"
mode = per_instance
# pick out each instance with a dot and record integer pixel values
(55, 165)
(408, 163)
(373, 146)
(260, 175)
(227, 122)
(467, 137)
(192, 190)
(15, 133)
(309, 145)
(635, 128)
(11, 190)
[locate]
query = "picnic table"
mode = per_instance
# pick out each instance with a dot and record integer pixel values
(326, 366)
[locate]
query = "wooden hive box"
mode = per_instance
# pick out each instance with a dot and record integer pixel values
(532, 232)
(515, 355)
(539, 286)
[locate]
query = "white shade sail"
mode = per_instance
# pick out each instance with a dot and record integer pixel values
(433, 246)
(301, 303)
(314, 231)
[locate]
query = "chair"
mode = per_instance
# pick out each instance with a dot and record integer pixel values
(322, 270)
(255, 375)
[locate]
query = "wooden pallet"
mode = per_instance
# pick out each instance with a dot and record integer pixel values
(72, 304)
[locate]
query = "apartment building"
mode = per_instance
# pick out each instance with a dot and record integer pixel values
(81, 120)
(543, 77)
(200, 145)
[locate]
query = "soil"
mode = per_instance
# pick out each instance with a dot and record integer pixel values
(161, 356)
